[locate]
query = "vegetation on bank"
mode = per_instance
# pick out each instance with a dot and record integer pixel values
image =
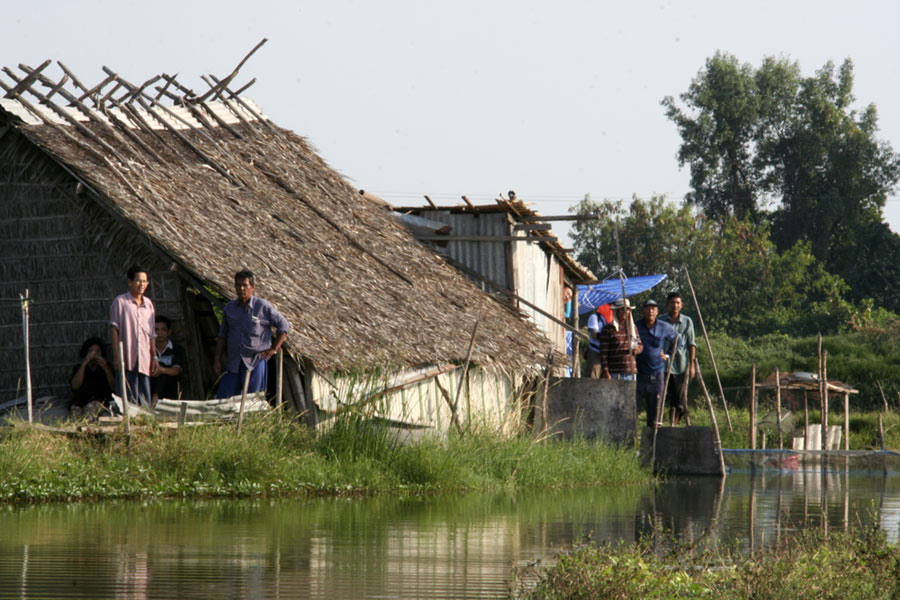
(811, 565)
(274, 456)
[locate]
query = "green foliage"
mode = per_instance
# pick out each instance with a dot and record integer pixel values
(746, 286)
(859, 358)
(812, 565)
(768, 138)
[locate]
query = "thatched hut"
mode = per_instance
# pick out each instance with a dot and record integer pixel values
(198, 185)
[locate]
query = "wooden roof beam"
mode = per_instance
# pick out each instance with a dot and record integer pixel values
(25, 83)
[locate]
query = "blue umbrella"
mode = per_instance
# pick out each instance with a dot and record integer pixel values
(605, 292)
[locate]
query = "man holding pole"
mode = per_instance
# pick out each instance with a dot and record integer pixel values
(682, 359)
(657, 338)
(246, 331)
(132, 321)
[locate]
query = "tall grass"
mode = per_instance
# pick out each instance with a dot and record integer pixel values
(276, 456)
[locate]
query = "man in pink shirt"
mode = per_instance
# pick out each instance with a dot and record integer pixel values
(132, 321)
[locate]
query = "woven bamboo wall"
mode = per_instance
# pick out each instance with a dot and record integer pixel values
(70, 257)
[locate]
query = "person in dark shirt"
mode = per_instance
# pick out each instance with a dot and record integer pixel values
(171, 358)
(92, 381)
(617, 349)
(658, 339)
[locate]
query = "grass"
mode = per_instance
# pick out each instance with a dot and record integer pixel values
(277, 457)
(843, 566)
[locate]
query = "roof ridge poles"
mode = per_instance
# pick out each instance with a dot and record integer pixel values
(708, 347)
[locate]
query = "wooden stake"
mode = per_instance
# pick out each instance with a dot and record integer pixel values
(243, 399)
(825, 400)
(123, 389)
(661, 403)
(778, 407)
(883, 398)
(26, 336)
(712, 418)
(279, 380)
(846, 421)
(805, 418)
(462, 378)
(712, 357)
(753, 407)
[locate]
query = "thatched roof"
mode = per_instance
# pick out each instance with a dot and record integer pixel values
(216, 186)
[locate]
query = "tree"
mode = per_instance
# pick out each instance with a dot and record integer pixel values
(717, 133)
(771, 145)
(746, 286)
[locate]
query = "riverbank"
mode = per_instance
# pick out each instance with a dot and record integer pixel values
(814, 566)
(274, 456)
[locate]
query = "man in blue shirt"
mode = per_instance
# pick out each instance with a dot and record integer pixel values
(683, 359)
(246, 330)
(658, 338)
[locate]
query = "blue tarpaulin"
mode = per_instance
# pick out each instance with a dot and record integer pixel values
(605, 292)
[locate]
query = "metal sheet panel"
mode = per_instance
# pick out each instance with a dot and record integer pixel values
(488, 258)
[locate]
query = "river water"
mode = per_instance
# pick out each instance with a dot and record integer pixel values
(464, 546)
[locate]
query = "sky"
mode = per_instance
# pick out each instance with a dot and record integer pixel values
(554, 100)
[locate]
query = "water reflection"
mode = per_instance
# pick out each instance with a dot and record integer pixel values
(445, 547)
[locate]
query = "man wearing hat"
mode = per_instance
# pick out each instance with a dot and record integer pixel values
(617, 348)
(682, 359)
(658, 338)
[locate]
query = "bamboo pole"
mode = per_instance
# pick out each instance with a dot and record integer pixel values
(279, 381)
(753, 407)
(712, 357)
(883, 398)
(123, 389)
(26, 336)
(846, 421)
(805, 419)
(462, 377)
(576, 355)
(661, 403)
(778, 408)
(821, 392)
(825, 400)
(712, 418)
(240, 423)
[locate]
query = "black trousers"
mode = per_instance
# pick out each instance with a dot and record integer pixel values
(649, 391)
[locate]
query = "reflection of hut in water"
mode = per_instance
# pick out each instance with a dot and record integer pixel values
(799, 389)
(198, 185)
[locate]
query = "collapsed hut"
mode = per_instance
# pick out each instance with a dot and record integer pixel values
(196, 185)
(506, 249)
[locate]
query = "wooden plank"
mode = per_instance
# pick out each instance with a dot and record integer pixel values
(479, 238)
(539, 218)
(532, 227)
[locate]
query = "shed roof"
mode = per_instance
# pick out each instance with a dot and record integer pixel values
(216, 186)
(521, 213)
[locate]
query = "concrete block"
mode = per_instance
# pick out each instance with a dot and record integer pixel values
(682, 450)
(592, 408)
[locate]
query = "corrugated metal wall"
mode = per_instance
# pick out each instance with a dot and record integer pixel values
(488, 258)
